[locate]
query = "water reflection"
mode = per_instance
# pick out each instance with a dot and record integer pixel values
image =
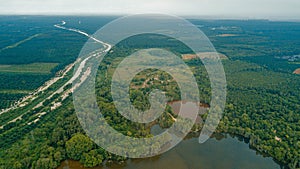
(216, 153)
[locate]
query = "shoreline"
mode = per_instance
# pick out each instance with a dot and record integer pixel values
(193, 135)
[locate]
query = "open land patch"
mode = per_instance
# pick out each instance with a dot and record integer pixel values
(227, 35)
(297, 71)
(202, 55)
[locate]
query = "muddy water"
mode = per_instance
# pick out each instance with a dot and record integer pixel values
(176, 105)
(222, 153)
(227, 153)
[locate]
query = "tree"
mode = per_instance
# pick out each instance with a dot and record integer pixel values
(92, 159)
(78, 145)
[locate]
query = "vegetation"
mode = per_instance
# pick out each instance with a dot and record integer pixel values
(32, 50)
(262, 104)
(34, 68)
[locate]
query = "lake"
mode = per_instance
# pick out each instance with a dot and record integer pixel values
(227, 153)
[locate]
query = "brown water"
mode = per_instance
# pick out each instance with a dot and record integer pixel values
(176, 105)
(227, 153)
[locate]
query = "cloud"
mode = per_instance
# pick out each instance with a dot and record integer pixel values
(234, 8)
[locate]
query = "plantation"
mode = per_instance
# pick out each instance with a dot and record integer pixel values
(262, 103)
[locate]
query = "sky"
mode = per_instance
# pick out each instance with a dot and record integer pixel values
(251, 9)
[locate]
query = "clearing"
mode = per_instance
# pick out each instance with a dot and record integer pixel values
(297, 71)
(202, 55)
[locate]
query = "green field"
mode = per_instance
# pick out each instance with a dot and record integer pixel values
(34, 68)
(20, 80)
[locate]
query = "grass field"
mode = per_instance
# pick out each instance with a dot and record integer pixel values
(40, 68)
(20, 80)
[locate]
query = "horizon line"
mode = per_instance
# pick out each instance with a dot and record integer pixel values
(186, 16)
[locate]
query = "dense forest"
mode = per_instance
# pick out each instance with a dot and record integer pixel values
(262, 103)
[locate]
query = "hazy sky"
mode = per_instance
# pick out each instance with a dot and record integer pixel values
(289, 9)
